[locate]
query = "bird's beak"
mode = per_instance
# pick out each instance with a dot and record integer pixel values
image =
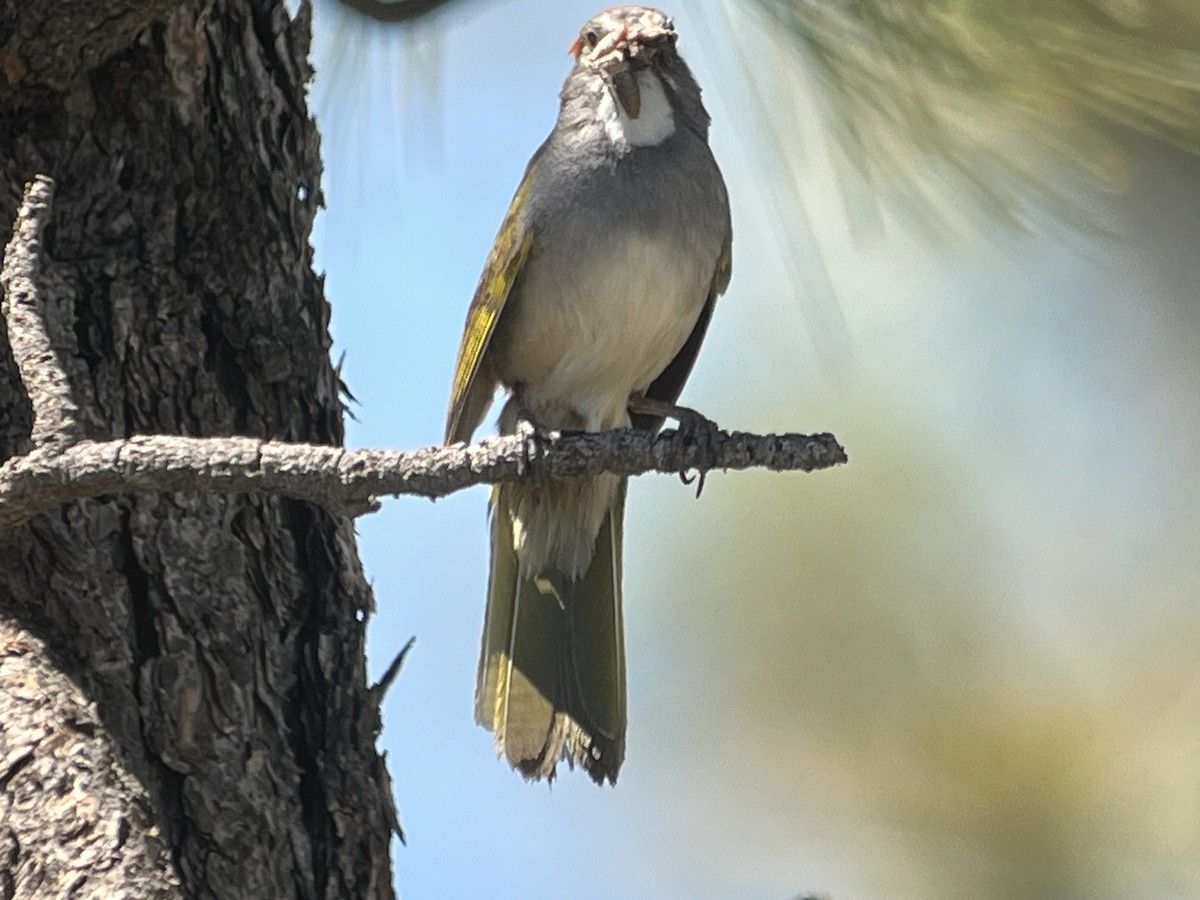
(628, 56)
(619, 56)
(625, 86)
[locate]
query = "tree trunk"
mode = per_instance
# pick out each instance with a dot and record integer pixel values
(183, 706)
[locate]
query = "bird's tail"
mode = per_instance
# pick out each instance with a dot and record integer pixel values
(552, 670)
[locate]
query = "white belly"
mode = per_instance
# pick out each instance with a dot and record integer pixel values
(581, 344)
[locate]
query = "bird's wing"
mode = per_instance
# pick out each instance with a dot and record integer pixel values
(669, 383)
(470, 394)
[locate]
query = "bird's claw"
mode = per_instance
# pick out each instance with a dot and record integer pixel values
(694, 429)
(700, 432)
(533, 447)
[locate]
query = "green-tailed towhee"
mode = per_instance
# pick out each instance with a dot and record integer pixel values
(590, 312)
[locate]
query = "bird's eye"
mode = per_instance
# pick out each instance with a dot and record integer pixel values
(591, 37)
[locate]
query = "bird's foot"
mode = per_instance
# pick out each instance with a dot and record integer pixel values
(700, 432)
(695, 430)
(533, 446)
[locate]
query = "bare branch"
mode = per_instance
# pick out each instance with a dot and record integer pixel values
(382, 686)
(394, 12)
(345, 481)
(55, 415)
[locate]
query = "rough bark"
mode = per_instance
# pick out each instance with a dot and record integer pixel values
(183, 704)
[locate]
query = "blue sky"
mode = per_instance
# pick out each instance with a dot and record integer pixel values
(981, 386)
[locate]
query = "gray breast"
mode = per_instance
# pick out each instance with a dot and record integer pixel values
(625, 247)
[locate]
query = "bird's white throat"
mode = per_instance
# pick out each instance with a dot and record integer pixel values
(655, 122)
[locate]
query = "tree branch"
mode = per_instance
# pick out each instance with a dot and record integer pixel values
(346, 481)
(55, 416)
(62, 468)
(394, 12)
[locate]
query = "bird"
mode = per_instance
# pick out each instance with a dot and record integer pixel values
(589, 313)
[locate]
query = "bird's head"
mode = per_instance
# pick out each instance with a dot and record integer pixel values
(620, 42)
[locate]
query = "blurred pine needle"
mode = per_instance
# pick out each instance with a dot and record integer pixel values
(992, 107)
(990, 98)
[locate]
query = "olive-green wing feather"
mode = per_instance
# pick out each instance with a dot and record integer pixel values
(473, 386)
(669, 383)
